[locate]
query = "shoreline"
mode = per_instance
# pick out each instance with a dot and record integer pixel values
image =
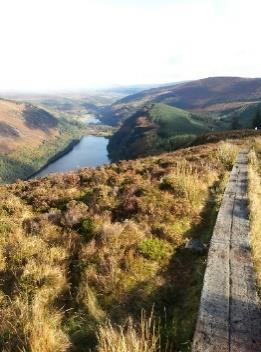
(54, 158)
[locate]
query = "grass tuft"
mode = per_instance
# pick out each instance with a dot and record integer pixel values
(144, 337)
(227, 154)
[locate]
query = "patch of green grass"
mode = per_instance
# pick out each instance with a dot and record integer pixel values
(153, 248)
(173, 121)
(87, 228)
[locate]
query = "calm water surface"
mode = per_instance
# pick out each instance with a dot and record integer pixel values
(90, 151)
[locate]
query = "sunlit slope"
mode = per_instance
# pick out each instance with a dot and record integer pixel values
(29, 136)
(23, 124)
(105, 243)
(172, 120)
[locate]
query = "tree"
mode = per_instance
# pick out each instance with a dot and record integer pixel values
(235, 124)
(257, 120)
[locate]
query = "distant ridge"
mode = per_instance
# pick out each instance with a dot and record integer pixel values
(208, 95)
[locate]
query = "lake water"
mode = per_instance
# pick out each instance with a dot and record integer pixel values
(90, 151)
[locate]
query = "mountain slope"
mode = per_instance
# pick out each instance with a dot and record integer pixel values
(209, 95)
(172, 120)
(156, 128)
(29, 136)
(105, 243)
(247, 116)
(22, 124)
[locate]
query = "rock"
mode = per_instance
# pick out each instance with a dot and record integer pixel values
(195, 245)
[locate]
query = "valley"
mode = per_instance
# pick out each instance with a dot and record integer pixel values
(146, 123)
(36, 135)
(130, 176)
(107, 243)
(170, 117)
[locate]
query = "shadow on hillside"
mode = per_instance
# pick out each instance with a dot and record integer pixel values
(39, 119)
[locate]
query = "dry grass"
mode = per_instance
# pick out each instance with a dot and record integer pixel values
(130, 338)
(254, 191)
(185, 182)
(101, 244)
(32, 276)
(44, 330)
(227, 154)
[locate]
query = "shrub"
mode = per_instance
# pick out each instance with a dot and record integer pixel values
(173, 184)
(227, 154)
(87, 228)
(175, 142)
(76, 212)
(153, 248)
(184, 182)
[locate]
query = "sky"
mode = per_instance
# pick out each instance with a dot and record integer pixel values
(49, 45)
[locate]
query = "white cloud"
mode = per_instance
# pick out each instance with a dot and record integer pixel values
(61, 44)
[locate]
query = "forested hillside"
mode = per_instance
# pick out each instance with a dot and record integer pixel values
(159, 127)
(154, 129)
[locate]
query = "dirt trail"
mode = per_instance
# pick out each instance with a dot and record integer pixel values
(229, 318)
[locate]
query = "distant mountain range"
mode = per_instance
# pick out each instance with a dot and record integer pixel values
(214, 95)
(182, 111)
(79, 102)
(136, 88)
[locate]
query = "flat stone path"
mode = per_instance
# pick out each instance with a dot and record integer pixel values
(229, 318)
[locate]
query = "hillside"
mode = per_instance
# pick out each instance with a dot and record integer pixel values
(157, 128)
(172, 120)
(29, 135)
(108, 243)
(23, 123)
(214, 95)
(247, 116)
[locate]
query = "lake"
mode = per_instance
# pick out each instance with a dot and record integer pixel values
(90, 151)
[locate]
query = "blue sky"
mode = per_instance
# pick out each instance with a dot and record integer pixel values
(76, 44)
